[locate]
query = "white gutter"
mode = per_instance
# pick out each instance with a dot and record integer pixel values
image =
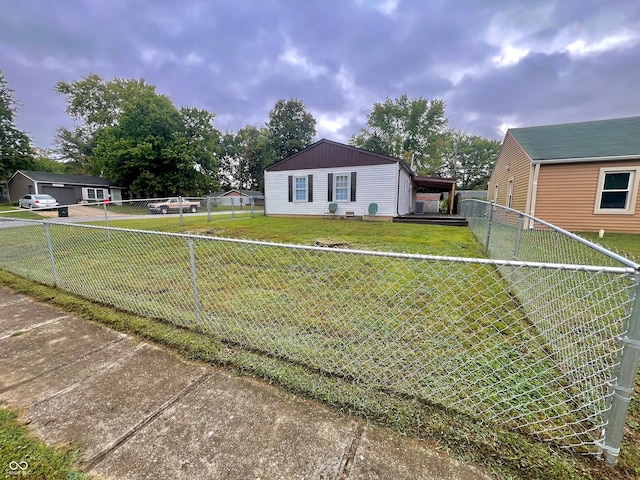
(587, 159)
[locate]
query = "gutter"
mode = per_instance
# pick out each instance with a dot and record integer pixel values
(587, 159)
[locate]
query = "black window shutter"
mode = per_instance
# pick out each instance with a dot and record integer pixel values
(353, 186)
(330, 193)
(290, 188)
(310, 187)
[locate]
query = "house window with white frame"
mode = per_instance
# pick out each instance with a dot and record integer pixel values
(94, 194)
(617, 190)
(341, 187)
(300, 189)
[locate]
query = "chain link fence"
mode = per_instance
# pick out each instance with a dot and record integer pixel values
(175, 209)
(528, 343)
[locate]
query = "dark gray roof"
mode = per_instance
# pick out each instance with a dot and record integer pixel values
(68, 179)
(618, 137)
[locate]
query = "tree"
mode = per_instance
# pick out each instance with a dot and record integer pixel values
(244, 156)
(156, 149)
(291, 128)
(138, 137)
(15, 145)
(406, 128)
(469, 159)
(94, 104)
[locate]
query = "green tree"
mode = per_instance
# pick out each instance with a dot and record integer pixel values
(156, 149)
(15, 145)
(291, 128)
(469, 159)
(406, 128)
(93, 103)
(244, 157)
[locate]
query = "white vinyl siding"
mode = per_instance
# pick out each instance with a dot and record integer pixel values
(375, 184)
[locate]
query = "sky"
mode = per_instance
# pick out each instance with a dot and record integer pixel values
(497, 64)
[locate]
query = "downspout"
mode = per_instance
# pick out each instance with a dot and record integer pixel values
(534, 191)
(398, 192)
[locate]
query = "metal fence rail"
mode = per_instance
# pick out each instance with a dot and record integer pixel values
(531, 345)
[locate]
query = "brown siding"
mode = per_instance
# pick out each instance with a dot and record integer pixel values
(567, 193)
(19, 187)
(328, 154)
(512, 163)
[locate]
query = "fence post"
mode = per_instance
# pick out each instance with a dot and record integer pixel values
(208, 209)
(233, 209)
(624, 383)
(251, 207)
(516, 249)
(52, 259)
(486, 245)
(106, 221)
(194, 281)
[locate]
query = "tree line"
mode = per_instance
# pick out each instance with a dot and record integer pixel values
(131, 134)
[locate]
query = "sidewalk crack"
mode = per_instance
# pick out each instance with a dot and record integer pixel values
(99, 457)
(351, 454)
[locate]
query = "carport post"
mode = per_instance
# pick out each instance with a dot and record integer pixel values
(54, 269)
(194, 281)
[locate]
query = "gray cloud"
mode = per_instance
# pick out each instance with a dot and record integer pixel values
(496, 64)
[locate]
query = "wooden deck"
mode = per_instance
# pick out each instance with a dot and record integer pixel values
(433, 219)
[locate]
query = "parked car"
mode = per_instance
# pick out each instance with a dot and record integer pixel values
(173, 205)
(37, 201)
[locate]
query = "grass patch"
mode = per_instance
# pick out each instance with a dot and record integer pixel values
(23, 455)
(13, 212)
(625, 244)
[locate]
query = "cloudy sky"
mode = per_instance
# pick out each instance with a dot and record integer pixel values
(496, 63)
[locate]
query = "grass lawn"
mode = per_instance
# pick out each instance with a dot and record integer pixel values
(13, 212)
(299, 307)
(24, 456)
(625, 244)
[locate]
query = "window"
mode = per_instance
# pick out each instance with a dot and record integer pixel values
(617, 190)
(300, 189)
(94, 194)
(510, 193)
(495, 194)
(342, 187)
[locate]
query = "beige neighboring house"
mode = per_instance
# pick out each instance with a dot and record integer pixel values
(578, 176)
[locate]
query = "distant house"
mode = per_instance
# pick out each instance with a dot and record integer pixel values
(578, 176)
(238, 197)
(340, 180)
(66, 189)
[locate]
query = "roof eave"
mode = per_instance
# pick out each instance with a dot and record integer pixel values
(586, 159)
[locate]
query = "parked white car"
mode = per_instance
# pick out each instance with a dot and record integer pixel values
(37, 201)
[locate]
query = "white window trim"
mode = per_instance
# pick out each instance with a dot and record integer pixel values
(633, 191)
(85, 194)
(335, 187)
(306, 188)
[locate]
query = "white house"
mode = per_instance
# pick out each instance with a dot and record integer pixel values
(333, 174)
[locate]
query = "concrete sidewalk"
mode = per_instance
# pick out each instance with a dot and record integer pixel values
(140, 411)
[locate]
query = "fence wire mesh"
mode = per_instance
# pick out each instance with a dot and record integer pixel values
(175, 209)
(522, 343)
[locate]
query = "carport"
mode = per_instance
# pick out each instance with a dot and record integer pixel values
(434, 185)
